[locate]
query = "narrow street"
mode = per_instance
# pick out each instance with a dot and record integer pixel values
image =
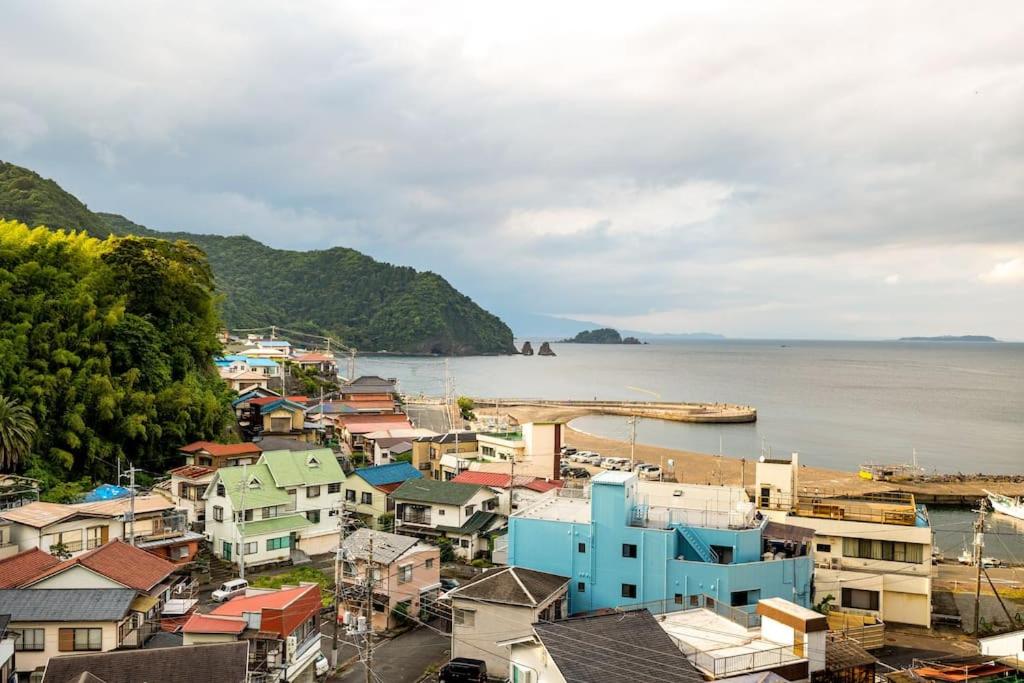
(402, 660)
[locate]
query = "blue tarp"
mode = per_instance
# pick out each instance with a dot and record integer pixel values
(106, 492)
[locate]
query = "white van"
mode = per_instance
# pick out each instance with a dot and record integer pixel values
(230, 589)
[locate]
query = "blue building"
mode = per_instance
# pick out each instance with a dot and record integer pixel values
(664, 545)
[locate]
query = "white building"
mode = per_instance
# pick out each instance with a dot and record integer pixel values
(1004, 645)
(463, 513)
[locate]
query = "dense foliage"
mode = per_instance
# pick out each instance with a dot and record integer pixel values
(371, 305)
(109, 344)
(605, 335)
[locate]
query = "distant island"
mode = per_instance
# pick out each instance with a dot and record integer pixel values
(952, 338)
(605, 335)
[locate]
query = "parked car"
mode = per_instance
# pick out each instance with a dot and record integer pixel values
(615, 464)
(568, 450)
(579, 456)
(449, 584)
(463, 670)
(230, 589)
(321, 666)
(576, 473)
(592, 458)
(645, 471)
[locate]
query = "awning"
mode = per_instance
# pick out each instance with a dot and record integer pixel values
(774, 531)
(143, 603)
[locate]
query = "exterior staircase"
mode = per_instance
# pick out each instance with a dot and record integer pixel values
(703, 550)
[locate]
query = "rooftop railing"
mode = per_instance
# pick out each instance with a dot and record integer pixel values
(663, 517)
(685, 603)
(756, 660)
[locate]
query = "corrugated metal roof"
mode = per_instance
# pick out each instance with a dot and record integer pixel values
(431, 491)
(303, 468)
(266, 494)
(382, 475)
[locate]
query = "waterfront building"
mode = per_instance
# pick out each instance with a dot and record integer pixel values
(625, 542)
(428, 452)
(872, 552)
(288, 500)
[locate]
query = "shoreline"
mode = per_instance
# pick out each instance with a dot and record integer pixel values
(693, 467)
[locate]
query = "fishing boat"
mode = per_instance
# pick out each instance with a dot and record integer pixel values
(1012, 507)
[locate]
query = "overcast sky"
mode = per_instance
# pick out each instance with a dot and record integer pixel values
(827, 170)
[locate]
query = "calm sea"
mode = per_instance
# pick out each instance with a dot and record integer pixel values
(960, 405)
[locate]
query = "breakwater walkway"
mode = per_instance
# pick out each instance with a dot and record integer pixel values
(713, 413)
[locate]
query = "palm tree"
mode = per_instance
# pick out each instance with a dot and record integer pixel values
(17, 431)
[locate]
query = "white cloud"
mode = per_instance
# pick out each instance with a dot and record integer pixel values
(893, 279)
(1011, 271)
(20, 127)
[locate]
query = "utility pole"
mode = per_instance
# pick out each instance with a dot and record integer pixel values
(131, 499)
(979, 547)
(241, 502)
(337, 581)
(368, 663)
(351, 364)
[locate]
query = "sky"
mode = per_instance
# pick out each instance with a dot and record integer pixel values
(781, 170)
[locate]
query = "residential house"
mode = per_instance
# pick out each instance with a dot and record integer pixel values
(321, 362)
(406, 577)
(243, 381)
(217, 455)
(157, 527)
(282, 628)
(243, 409)
(624, 542)
(7, 545)
(388, 444)
(62, 621)
(630, 646)
(352, 428)
(274, 349)
(367, 490)
(370, 387)
(501, 606)
(187, 485)
(289, 499)
(48, 525)
(428, 452)
(281, 417)
(872, 553)
(513, 492)
(20, 568)
(7, 641)
(220, 662)
(464, 513)
(115, 565)
(235, 363)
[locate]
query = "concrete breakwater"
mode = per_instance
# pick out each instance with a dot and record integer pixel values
(712, 413)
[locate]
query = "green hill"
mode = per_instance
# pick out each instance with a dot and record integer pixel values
(371, 305)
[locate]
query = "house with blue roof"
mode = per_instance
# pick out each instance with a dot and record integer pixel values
(238, 363)
(627, 543)
(366, 491)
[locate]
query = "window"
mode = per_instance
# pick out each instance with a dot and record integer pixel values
(30, 639)
(334, 488)
(350, 495)
(464, 617)
(251, 548)
(312, 491)
(429, 563)
(724, 553)
(348, 568)
(892, 551)
(629, 590)
(332, 513)
(469, 510)
(182, 490)
(244, 514)
(270, 512)
(79, 639)
(405, 573)
(278, 543)
(218, 513)
(95, 536)
(823, 547)
(629, 550)
(743, 598)
(313, 516)
(440, 512)
(220, 489)
(678, 598)
(464, 543)
(366, 498)
(581, 547)
(581, 587)
(860, 599)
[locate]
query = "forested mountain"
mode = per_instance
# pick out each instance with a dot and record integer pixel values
(110, 344)
(371, 305)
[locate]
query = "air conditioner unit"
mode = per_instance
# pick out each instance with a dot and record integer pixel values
(835, 563)
(208, 536)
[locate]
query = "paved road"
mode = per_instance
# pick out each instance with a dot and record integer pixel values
(427, 416)
(403, 659)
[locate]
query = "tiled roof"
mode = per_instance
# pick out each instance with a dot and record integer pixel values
(279, 404)
(191, 471)
(67, 604)
(386, 547)
(382, 475)
(501, 481)
(246, 375)
(314, 358)
(266, 494)
(221, 662)
(369, 380)
(303, 468)
(479, 521)
(276, 524)
(633, 644)
(206, 623)
(511, 586)
(264, 400)
(278, 599)
(119, 562)
(38, 514)
(17, 570)
(439, 492)
(221, 449)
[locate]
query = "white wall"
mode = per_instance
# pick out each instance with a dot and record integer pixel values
(534, 659)
(1005, 645)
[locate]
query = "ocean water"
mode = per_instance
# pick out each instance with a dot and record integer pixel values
(959, 405)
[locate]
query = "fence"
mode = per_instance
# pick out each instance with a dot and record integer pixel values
(747, 620)
(719, 667)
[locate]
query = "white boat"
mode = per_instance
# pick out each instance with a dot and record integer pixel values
(1013, 507)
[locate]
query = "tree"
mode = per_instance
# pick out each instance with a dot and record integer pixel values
(17, 432)
(466, 407)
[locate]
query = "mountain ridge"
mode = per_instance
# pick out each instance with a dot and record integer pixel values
(369, 304)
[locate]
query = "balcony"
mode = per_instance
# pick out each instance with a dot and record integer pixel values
(719, 665)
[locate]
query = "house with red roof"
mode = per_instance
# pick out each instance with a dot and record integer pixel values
(217, 455)
(17, 569)
(282, 627)
(185, 490)
(323, 363)
(513, 492)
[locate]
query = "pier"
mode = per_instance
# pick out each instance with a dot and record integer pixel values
(712, 413)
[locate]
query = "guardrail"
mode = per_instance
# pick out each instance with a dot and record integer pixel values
(719, 667)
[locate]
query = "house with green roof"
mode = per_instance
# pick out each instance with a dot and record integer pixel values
(464, 513)
(288, 500)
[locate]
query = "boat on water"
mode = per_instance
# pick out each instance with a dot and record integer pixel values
(1012, 507)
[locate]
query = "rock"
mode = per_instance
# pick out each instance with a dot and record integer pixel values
(527, 349)
(545, 350)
